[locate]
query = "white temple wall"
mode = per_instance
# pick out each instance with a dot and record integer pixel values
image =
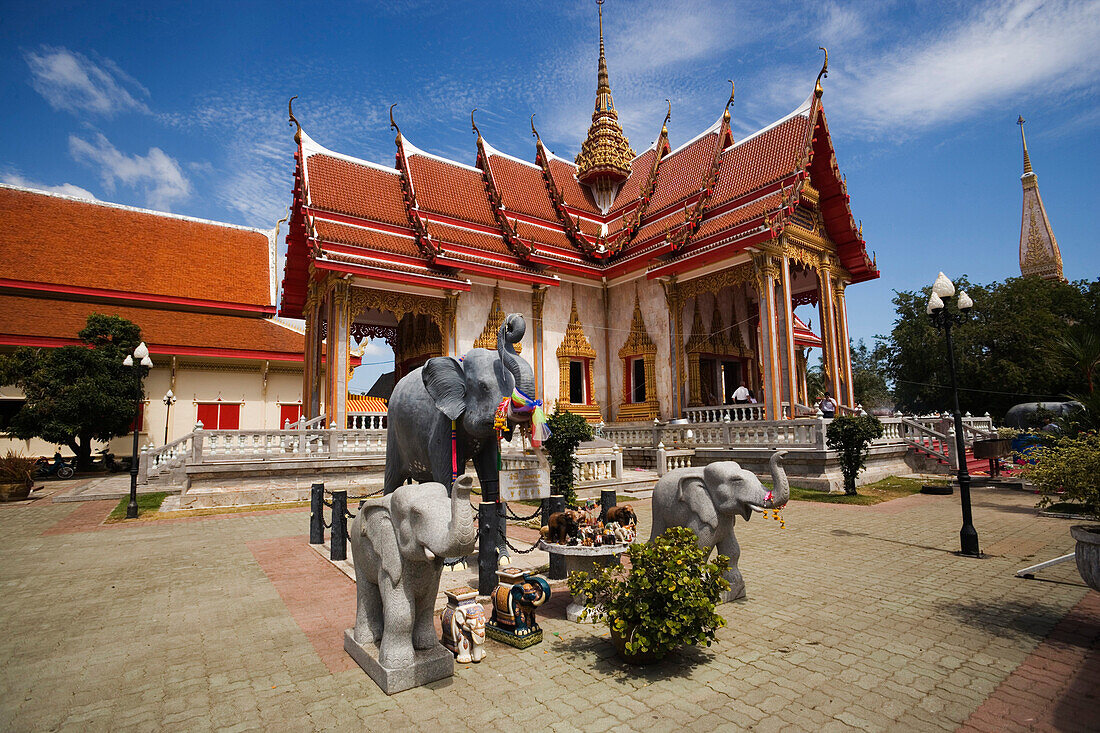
(651, 299)
(470, 315)
(555, 316)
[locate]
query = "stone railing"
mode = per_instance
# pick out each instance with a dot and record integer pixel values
(168, 457)
(723, 413)
(367, 421)
(595, 466)
(669, 459)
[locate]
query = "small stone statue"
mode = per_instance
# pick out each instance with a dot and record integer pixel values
(463, 624)
(514, 604)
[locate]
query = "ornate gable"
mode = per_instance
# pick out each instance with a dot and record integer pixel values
(488, 337)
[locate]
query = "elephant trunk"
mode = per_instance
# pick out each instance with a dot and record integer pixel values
(511, 331)
(462, 533)
(781, 489)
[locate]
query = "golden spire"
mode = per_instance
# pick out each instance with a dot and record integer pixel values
(605, 157)
(1023, 138)
(1039, 253)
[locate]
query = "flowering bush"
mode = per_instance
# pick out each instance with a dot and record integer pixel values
(1068, 470)
(666, 599)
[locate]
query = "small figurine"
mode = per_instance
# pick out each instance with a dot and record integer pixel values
(560, 528)
(514, 604)
(463, 624)
(623, 514)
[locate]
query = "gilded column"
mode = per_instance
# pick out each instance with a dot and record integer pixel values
(676, 342)
(538, 297)
(788, 332)
(766, 274)
(310, 362)
(844, 342)
(338, 327)
(828, 328)
(449, 326)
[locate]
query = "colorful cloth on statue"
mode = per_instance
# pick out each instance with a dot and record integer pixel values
(523, 404)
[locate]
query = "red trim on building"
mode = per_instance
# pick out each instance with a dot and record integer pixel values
(380, 273)
(24, 285)
(52, 342)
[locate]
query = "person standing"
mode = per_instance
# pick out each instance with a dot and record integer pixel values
(828, 405)
(741, 395)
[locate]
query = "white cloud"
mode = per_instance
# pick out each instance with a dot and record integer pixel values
(156, 174)
(72, 82)
(1003, 51)
(67, 189)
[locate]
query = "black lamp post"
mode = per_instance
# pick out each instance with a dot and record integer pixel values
(169, 400)
(141, 354)
(944, 290)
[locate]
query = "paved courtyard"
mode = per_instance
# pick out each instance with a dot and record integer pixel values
(856, 618)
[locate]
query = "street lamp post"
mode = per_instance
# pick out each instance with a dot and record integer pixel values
(942, 292)
(169, 400)
(141, 355)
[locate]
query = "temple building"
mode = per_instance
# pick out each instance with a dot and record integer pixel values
(1039, 253)
(653, 283)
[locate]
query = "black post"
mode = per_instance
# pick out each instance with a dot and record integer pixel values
(556, 502)
(486, 546)
(317, 514)
(338, 541)
(607, 500)
(968, 536)
(131, 508)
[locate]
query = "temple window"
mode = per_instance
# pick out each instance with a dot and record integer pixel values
(219, 415)
(575, 361)
(291, 411)
(639, 377)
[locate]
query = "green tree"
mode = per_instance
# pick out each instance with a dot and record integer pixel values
(1005, 353)
(869, 374)
(851, 436)
(567, 430)
(77, 394)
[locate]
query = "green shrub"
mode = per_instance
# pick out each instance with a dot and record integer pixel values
(665, 601)
(851, 437)
(567, 431)
(1067, 471)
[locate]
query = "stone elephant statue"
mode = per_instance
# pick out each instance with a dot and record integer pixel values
(426, 401)
(398, 545)
(1019, 416)
(707, 501)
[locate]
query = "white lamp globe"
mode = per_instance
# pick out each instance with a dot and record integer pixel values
(943, 287)
(965, 303)
(934, 304)
(142, 350)
(128, 361)
(146, 361)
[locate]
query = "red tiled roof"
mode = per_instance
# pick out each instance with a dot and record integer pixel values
(681, 173)
(555, 237)
(331, 231)
(450, 190)
(572, 193)
(356, 190)
(763, 159)
(161, 329)
(61, 241)
(468, 238)
(740, 215)
(803, 335)
(521, 188)
(632, 188)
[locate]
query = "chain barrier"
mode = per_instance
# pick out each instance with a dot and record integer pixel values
(515, 549)
(516, 517)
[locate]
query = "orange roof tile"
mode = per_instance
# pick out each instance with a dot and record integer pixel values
(160, 329)
(572, 192)
(450, 189)
(632, 188)
(740, 215)
(681, 173)
(760, 160)
(331, 231)
(555, 237)
(62, 241)
(362, 191)
(468, 238)
(521, 188)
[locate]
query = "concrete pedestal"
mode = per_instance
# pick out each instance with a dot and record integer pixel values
(581, 558)
(428, 665)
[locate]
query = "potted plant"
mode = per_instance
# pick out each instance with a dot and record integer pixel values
(664, 601)
(1066, 472)
(16, 476)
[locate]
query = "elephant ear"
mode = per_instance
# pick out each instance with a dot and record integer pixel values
(378, 522)
(693, 491)
(446, 383)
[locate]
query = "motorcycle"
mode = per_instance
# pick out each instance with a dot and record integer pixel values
(114, 466)
(57, 468)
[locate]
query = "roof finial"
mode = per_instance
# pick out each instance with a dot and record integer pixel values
(294, 120)
(534, 131)
(474, 124)
(604, 83)
(393, 125)
(280, 222)
(668, 116)
(823, 73)
(1027, 158)
(729, 102)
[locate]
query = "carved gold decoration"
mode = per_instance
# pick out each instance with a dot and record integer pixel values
(638, 341)
(488, 337)
(1038, 259)
(397, 303)
(713, 282)
(639, 345)
(575, 345)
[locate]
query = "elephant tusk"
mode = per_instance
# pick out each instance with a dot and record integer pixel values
(756, 508)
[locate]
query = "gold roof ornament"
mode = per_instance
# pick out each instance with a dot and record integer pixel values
(488, 337)
(575, 343)
(294, 120)
(1039, 252)
(606, 155)
(818, 90)
(638, 342)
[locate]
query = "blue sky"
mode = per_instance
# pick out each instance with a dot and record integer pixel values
(182, 107)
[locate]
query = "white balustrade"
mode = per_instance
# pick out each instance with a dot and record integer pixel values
(367, 421)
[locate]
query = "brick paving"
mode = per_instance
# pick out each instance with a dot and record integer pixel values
(856, 618)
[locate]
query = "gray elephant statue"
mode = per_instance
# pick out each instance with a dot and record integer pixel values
(398, 545)
(1021, 416)
(445, 391)
(707, 501)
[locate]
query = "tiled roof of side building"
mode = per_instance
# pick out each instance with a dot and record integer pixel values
(449, 189)
(572, 192)
(71, 242)
(759, 160)
(532, 233)
(367, 192)
(681, 173)
(739, 215)
(330, 231)
(468, 238)
(632, 188)
(161, 329)
(521, 187)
